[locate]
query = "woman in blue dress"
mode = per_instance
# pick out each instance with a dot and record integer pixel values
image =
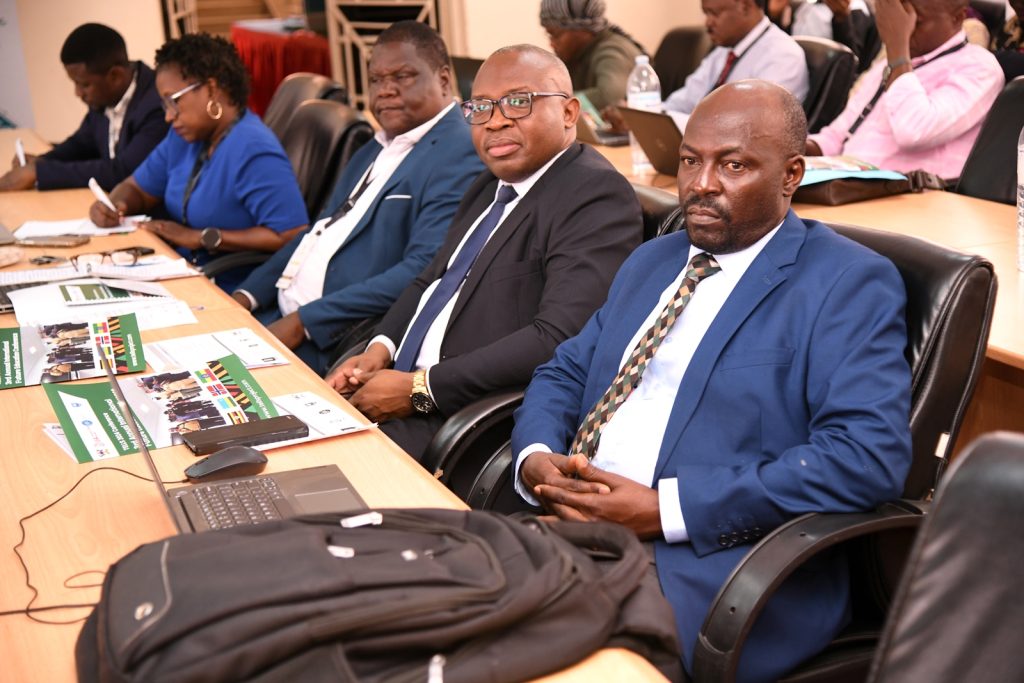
(220, 180)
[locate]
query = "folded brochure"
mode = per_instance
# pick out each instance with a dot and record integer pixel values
(165, 405)
(63, 351)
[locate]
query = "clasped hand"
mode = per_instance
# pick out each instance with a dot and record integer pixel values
(574, 489)
(372, 389)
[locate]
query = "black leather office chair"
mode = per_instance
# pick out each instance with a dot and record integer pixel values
(465, 69)
(990, 171)
(320, 138)
(832, 68)
(678, 55)
(950, 296)
(471, 453)
(993, 14)
(293, 91)
(953, 618)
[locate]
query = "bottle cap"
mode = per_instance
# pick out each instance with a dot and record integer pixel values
(643, 59)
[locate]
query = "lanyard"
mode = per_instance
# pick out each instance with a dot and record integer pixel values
(881, 88)
(197, 170)
(349, 203)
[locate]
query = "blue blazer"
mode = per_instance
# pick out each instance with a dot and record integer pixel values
(86, 153)
(394, 240)
(796, 400)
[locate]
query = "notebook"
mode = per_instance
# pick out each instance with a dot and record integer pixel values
(231, 502)
(658, 135)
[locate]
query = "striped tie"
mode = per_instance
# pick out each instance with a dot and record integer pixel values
(701, 266)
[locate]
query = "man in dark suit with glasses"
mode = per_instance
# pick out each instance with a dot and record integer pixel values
(529, 256)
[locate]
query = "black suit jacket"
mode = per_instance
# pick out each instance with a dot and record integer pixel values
(86, 153)
(542, 274)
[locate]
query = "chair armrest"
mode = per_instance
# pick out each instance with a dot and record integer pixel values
(467, 427)
(766, 566)
(222, 264)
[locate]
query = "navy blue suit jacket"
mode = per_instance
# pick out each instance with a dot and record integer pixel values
(394, 240)
(86, 154)
(795, 401)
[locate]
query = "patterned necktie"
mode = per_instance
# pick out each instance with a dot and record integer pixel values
(729, 61)
(701, 266)
(451, 281)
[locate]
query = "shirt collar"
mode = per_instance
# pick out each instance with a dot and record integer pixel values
(122, 104)
(736, 263)
(958, 38)
(411, 137)
(523, 186)
(752, 35)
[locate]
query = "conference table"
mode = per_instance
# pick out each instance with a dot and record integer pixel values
(68, 547)
(963, 223)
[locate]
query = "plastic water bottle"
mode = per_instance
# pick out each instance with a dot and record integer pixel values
(1020, 201)
(643, 91)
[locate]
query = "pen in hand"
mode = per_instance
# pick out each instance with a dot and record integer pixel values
(104, 199)
(19, 150)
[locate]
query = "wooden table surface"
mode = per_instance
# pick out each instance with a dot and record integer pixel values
(111, 512)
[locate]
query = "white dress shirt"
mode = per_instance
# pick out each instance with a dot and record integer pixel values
(308, 283)
(815, 18)
(115, 115)
(631, 440)
(430, 351)
(766, 52)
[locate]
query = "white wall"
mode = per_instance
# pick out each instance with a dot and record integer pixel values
(489, 24)
(14, 96)
(45, 24)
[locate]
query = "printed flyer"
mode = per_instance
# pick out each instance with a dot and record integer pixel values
(59, 352)
(165, 405)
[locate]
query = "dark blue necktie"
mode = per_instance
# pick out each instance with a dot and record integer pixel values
(451, 281)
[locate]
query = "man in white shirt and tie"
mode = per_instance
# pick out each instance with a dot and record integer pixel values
(747, 45)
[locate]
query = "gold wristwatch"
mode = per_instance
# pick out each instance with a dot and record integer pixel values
(421, 400)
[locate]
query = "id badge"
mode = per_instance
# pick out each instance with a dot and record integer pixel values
(300, 255)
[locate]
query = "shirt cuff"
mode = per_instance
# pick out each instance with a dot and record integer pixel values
(426, 380)
(672, 525)
(385, 342)
(517, 482)
(253, 304)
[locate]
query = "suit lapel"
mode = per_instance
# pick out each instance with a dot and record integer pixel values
(517, 220)
(421, 150)
(762, 277)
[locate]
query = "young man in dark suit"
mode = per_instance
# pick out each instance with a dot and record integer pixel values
(743, 372)
(125, 120)
(528, 258)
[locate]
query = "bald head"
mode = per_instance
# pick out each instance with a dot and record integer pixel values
(768, 104)
(518, 140)
(551, 70)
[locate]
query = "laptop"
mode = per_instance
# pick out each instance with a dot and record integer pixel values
(592, 129)
(225, 503)
(658, 135)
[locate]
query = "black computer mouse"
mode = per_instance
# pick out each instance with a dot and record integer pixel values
(233, 461)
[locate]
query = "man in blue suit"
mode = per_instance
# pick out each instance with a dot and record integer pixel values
(389, 212)
(741, 373)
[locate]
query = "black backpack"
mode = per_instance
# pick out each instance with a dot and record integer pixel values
(405, 595)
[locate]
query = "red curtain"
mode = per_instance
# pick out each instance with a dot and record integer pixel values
(270, 57)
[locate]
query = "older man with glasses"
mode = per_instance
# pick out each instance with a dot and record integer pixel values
(529, 256)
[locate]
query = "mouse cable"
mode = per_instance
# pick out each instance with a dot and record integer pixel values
(29, 610)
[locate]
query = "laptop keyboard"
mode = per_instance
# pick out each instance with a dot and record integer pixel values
(236, 503)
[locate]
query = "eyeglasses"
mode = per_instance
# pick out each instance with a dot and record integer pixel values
(170, 102)
(515, 105)
(118, 257)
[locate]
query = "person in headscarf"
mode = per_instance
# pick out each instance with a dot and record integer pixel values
(599, 54)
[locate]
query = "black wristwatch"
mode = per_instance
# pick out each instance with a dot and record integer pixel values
(210, 239)
(421, 400)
